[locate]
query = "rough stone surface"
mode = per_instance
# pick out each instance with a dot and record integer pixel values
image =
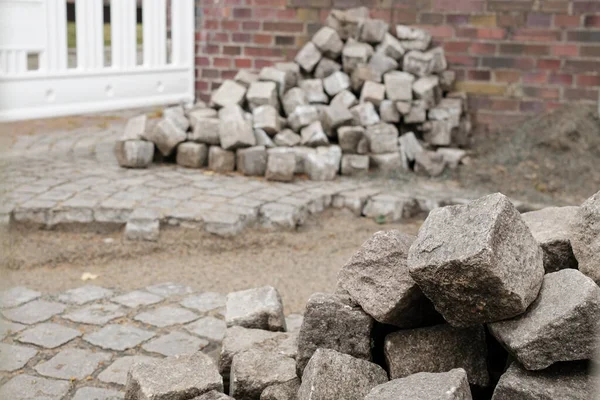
(166, 316)
(137, 298)
(323, 165)
(560, 325)
(418, 63)
(365, 114)
(585, 237)
(204, 302)
(336, 376)
(326, 67)
(134, 153)
(303, 116)
(391, 47)
(267, 118)
(93, 393)
(451, 385)
(551, 227)
(213, 395)
(262, 93)
(413, 38)
(313, 88)
(13, 357)
(16, 296)
(167, 289)
(383, 138)
(143, 224)
(336, 83)
(287, 138)
(9, 328)
(349, 136)
(166, 135)
(355, 165)
(220, 160)
(180, 377)
(390, 208)
(388, 112)
(34, 312)
(334, 117)
(206, 130)
(252, 161)
(118, 337)
(344, 99)
(382, 64)
(478, 262)
(95, 314)
(364, 73)
(293, 98)
(26, 387)
(282, 391)
(135, 128)
(333, 322)
(208, 327)
(373, 30)
(353, 55)
(262, 139)
(117, 371)
(438, 349)
(72, 364)
(229, 93)
(281, 165)
(175, 344)
(429, 163)
(245, 77)
(192, 155)
(328, 42)
(308, 57)
(417, 112)
(254, 370)
(377, 278)
(313, 135)
(279, 77)
(428, 90)
(372, 92)
(235, 134)
(561, 381)
(259, 308)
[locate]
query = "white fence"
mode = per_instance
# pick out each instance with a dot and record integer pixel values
(35, 32)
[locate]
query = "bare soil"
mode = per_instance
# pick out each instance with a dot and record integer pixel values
(298, 263)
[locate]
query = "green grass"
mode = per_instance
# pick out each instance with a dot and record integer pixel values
(72, 35)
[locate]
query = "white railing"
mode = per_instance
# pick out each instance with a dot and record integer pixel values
(37, 29)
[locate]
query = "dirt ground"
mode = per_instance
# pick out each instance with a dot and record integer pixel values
(298, 263)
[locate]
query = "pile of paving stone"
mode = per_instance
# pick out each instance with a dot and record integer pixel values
(356, 98)
(483, 303)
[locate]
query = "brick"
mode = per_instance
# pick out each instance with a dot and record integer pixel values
(552, 64)
(538, 20)
(510, 20)
(456, 47)
(230, 25)
(560, 79)
(211, 24)
(564, 50)
(202, 61)
(535, 77)
(508, 62)
(438, 31)
(458, 5)
(211, 49)
(528, 49)
(581, 94)
(589, 51)
(244, 63)
(588, 80)
(541, 93)
(238, 37)
(209, 73)
(242, 13)
(218, 37)
(466, 61)
(283, 26)
(483, 48)
(532, 107)
(229, 74)
(567, 21)
(457, 19)
(483, 20)
(285, 40)
(507, 76)
(479, 75)
(222, 62)
(555, 6)
(232, 50)
(493, 118)
(536, 35)
(592, 21)
(431, 19)
(263, 39)
(586, 7)
(250, 26)
(481, 88)
(582, 66)
(310, 3)
(510, 5)
(481, 33)
(308, 14)
(404, 17)
(583, 36)
(262, 52)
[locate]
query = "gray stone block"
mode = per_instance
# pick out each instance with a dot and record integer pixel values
(373, 30)
(87, 393)
(372, 92)
(323, 165)
(390, 208)
(328, 42)
(134, 153)
(504, 278)
(262, 93)
(355, 165)
(210, 328)
(166, 316)
(205, 130)
(413, 38)
(439, 63)
(245, 77)
(267, 118)
(220, 160)
(438, 348)
(561, 381)
(33, 387)
(95, 314)
(308, 57)
(344, 99)
(403, 107)
(229, 93)
(135, 128)
(204, 302)
(292, 71)
(175, 344)
(287, 138)
(336, 376)
(336, 83)
(447, 79)
(418, 63)
(177, 115)
(355, 53)
(364, 73)
(213, 395)
(439, 134)
(349, 136)
(279, 77)
(254, 370)
(428, 90)
(452, 157)
(282, 391)
(382, 64)
(429, 163)
(281, 165)
(235, 134)
(347, 23)
(118, 337)
(143, 224)
(584, 237)
(334, 117)
(326, 67)
(365, 114)
(137, 298)
(48, 335)
(313, 135)
(303, 116)
(72, 364)
(192, 155)
(383, 138)
(301, 153)
(17, 296)
(294, 98)
(551, 228)
(333, 322)
(391, 47)
(168, 289)
(313, 88)
(417, 113)
(258, 308)
(34, 312)
(398, 85)
(195, 114)
(252, 161)
(262, 139)
(176, 378)
(451, 385)
(117, 371)
(13, 357)
(166, 136)
(560, 325)
(388, 112)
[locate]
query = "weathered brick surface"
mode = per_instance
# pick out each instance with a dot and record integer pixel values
(514, 57)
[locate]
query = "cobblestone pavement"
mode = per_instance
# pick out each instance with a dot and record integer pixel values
(80, 343)
(73, 176)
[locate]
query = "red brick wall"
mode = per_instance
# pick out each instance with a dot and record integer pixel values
(514, 57)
